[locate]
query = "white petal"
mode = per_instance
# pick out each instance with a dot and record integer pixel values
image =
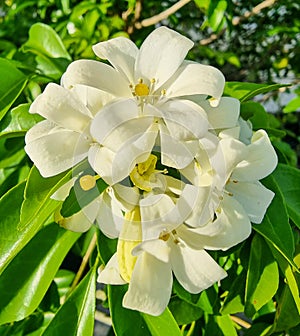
(174, 153)
(225, 115)
(194, 78)
(128, 197)
(156, 247)
(109, 218)
(185, 120)
(121, 53)
(62, 108)
(94, 99)
(260, 161)
(135, 150)
(195, 270)
(111, 274)
(150, 286)
(117, 123)
(55, 152)
(98, 75)
(254, 197)
(101, 160)
(235, 223)
(161, 54)
(61, 193)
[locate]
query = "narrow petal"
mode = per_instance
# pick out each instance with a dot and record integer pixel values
(110, 274)
(235, 223)
(121, 53)
(61, 193)
(161, 54)
(260, 161)
(253, 196)
(195, 270)
(62, 108)
(185, 120)
(193, 78)
(55, 152)
(98, 75)
(150, 286)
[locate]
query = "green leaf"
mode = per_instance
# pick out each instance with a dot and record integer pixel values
(10, 205)
(215, 13)
(125, 321)
(288, 180)
(183, 312)
(44, 40)
(106, 246)
(76, 316)
(79, 198)
(63, 280)
(262, 276)
(245, 91)
(162, 325)
(275, 227)
(226, 325)
(12, 83)
(293, 105)
(26, 279)
(18, 121)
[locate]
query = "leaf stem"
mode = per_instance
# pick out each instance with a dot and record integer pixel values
(84, 262)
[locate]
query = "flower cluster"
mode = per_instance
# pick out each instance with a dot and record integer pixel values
(180, 166)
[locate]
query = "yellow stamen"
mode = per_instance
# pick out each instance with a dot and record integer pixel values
(87, 182)
(141, 173)
(164, 236)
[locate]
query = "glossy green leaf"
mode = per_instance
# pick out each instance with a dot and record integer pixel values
(63, 280)
(106, 247)
(162, 325)
(76, 316)
(246, 91)
(26, 279)
(293, 105)
(18, 121)
(12, 83)
(10, 205)
(275, 227)
(44, 40)
(215, 13)
(288, 180)
(79, 198)
(262, 276)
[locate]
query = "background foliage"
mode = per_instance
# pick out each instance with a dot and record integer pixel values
(47, 274)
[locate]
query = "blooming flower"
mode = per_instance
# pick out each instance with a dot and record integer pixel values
(63, 139)
(150, 82)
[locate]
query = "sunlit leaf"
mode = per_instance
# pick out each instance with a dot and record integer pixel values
(26, 279)
(12, 83)
(76, 315)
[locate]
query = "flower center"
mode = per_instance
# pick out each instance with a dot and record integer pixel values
(142, 173)
(165, 236)
(141, 89)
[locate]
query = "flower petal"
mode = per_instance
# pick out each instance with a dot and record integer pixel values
(156, 247)
(254, 197)
(235, 224)
(121, 53)
(150, 286)
(193, 78)
(195, 270)
(185, 120)
(98, 75)
(62, 108)
(55, 151)
(111, 274)
(161, 54)
(260, 161)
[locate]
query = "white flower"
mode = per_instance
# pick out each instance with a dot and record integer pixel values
(148, 80)
(63, 139)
